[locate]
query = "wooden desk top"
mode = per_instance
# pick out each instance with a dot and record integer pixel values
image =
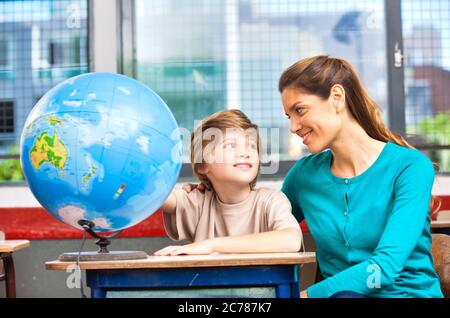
(184, 261)
(9, 246)
(440, 224)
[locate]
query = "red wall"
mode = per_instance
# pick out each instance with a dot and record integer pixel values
(37, 224)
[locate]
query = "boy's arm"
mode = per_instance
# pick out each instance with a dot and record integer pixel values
(170, 205)
(285, 240)
(181, 214)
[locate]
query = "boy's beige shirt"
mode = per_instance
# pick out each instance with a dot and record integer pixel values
(200, 216)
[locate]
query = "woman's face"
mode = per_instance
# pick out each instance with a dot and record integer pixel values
(315, 120)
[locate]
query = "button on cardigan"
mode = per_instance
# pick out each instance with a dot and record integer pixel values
(372, 231)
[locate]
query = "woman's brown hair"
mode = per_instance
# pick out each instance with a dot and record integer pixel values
(318, 74)
(223, 120)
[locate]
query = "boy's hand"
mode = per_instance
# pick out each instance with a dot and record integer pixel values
(198, 248)
(192, 186)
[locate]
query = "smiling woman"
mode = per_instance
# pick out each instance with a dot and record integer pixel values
(333, 189)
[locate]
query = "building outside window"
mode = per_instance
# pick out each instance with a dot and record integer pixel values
(426, 36)
(42, 42)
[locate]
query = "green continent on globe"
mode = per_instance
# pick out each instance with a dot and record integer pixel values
(89, 175)
(48, 149)
(53, 120)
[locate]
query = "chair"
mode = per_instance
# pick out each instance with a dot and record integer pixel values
(7, 271)
(440, 249)
(441, 255)
(2, 272)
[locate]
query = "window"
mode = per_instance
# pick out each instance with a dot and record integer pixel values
(64, 52)
(6, 117)
(208, 55)
(426, 40)
(5, 56)
(42, 42)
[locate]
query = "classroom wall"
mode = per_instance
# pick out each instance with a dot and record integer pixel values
(21, 196)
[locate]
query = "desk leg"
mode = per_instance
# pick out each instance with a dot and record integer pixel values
(98, 292)
(91, 281)
(10, 276)
(295, 286)
(283, 291)
(295, 290)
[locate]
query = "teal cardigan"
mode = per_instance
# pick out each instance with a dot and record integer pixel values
(372, 231)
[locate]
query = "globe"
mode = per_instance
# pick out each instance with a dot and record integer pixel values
(101, 147)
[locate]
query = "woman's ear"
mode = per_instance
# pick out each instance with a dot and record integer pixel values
(337, 96)
(203, 168)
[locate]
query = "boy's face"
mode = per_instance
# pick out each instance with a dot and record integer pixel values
(232, 157)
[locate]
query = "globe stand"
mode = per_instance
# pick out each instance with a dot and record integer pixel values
(102, 254)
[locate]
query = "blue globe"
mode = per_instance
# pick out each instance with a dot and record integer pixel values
(101, 147)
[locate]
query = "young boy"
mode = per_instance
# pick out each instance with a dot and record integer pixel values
(230, 216)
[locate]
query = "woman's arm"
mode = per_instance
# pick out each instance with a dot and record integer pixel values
(404, 227)
(291, 189)
(286, 240)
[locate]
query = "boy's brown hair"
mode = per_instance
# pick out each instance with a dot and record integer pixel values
(223, 120)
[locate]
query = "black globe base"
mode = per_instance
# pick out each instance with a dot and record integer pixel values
(102, 254)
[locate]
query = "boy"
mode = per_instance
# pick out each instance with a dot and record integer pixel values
(230, 216)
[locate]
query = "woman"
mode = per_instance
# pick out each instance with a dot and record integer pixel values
(364, 191)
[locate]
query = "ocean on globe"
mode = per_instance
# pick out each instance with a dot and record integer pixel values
(101, 147)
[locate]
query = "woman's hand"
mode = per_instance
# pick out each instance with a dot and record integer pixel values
(304, 294)
(192, 186)
(198, 248)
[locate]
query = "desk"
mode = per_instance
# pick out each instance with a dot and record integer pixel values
(7, 248)
(191, 275)
(442, 227)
